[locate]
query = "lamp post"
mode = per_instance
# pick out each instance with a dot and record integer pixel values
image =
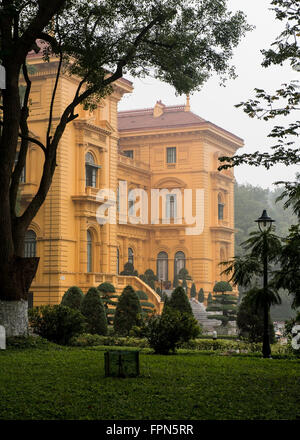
(265, 224)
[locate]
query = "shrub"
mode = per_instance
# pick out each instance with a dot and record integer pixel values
(128, 312)
(193, 291)
(164, 333)
(56, 323)
(86, 339)
(222, 286)
(179, 301)
(251, 322)
(93, 310)
(73, 298)
(129, 270)
(106, 288)
(201, 295)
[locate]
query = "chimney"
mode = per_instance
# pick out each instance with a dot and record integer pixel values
(158, 109)
(187, 107)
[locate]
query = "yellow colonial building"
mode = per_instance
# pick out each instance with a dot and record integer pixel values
(156, 168)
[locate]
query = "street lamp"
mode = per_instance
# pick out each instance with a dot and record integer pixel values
(265, 224)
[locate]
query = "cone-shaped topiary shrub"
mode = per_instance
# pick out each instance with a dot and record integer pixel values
(73, 298)
(193, 291)
(128, 312)
(94, 313)
(106, 288)
(201, 295)
(179, 301)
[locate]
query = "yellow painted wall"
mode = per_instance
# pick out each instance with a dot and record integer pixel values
(70, 207)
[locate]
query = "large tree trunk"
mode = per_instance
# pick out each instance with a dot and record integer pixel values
(15, 279)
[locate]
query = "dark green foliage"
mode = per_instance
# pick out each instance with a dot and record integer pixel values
(167, 331)
(201, 295)
(250, 322)
(175, 281)
(106, 288)
(72, 298)
(158, 291)
(209, 298)
(107, 295)
(184, 285)
(226, 304)
(183, 274)
(56, 323)
(222, 286)
(179, 301)
(149, 278)
(141, 295)
(128, 312)
(93, 310)
(129, 270)
(288, 276)
(193, 291)
(250, 199)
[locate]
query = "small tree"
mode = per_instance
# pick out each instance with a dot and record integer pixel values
(128, 312)
(193, 291)
(179, 301)
(149, 278)
(224, 303)
(175, 281)
(93, 310)
(201, 295)
(147, 306)
(209, 298)
(107, 295)
(250, 320)
(166, 332)
(129, 270)
(73, 298)
(56, 323)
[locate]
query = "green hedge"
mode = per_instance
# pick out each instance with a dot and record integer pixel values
(90, 340)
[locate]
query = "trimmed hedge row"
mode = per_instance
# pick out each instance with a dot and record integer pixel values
(195, 344)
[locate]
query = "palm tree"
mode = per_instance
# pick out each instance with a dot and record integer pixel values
(264, 247)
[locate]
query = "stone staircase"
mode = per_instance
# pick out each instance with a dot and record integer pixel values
(200, 313)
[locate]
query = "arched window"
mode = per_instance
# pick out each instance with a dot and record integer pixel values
(89, 251)
(90, 170)
(30, 244)
(220, 207)
(162, 266)
(179, 262)
(130, 256)
(171, 206)
(118, 261)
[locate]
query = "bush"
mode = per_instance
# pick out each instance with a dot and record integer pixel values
(86, 340)
(128, 312)
(129, 270)
(25, 342)
(222, 286)
(73, 298)
(251, 322)
(193, 291)
(56, 323)
(106, 288)
(179, 301)
(93, 310)
(201, 295)
(164, 333)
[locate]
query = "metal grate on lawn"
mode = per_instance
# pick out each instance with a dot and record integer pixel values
(122, 363)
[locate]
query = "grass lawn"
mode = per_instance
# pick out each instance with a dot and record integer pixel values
(69, 383)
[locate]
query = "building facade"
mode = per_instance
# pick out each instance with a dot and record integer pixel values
(130, 153)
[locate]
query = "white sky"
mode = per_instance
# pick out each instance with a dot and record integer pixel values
(216, 103)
